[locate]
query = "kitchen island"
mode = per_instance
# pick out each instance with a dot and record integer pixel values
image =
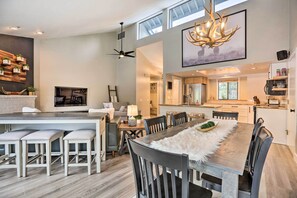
(189, 109)
(64, 121)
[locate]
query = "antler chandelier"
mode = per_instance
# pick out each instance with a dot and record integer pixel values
(212, 32)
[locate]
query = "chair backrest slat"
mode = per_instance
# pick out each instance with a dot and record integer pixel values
(154, 125)
(179, 118)
(150, 160)
(158, 180)
(165, 180)
(225, 115)
(173, 183)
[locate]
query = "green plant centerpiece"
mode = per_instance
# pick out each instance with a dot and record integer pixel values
(6, 61)
(31, 90)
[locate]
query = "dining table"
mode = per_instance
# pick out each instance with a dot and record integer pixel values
(228, 160)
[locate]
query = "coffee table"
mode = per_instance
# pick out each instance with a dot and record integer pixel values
(132, 132)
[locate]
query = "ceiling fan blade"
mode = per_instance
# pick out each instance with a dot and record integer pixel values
(129, 52)
(116, 51)
(130, 56)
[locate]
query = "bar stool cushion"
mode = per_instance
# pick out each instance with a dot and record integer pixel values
(14, 135)
(80, 135)
(43, 135)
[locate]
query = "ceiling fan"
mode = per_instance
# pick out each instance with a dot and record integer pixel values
(121, 53)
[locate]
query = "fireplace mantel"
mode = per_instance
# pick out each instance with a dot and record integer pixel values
(15, 103)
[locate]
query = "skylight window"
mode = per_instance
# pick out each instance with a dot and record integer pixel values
(150, 26)
(185, 12)
(223, 4)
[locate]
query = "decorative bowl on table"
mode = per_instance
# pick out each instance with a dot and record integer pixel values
(207, 126)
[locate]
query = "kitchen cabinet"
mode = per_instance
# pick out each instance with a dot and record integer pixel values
(196, 80)
(245, 112)
(275, 120)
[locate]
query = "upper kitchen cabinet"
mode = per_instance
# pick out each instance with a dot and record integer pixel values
(196, 80)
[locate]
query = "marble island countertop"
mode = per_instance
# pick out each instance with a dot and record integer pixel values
(51, 116)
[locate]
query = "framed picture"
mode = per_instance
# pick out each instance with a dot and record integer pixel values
(235, 49)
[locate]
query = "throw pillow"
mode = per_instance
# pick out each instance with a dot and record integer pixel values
(110, 111)
(107, 105)
(122, 109)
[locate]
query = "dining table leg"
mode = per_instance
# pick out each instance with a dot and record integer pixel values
(229, 185)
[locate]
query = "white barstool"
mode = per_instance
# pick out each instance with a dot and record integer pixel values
(79, 137)
(42, 137)
(8, 139)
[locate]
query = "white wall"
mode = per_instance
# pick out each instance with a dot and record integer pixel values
(293, 25)
(144, 70)
(267, 33)
(80, 61)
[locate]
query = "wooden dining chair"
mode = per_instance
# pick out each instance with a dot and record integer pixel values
(154, 125)
(225, 115)
(249, 182)
(154, 173)
(179, 118)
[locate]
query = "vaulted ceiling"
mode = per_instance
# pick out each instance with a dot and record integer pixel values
(62, 18)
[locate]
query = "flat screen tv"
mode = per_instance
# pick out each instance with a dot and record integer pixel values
(70, 96)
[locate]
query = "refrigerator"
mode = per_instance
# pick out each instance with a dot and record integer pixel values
(195, 93)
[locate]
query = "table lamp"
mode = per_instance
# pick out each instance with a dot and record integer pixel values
(132, 111)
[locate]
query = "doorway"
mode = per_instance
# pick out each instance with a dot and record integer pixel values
(149, 71)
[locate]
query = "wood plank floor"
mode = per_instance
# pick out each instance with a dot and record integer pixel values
(279, 179)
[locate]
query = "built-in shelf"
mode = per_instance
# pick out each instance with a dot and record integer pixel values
(279, 78)
(279, 89)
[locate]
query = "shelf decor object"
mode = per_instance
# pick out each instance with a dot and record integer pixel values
(6, 61)
(209, 42)
(16, 70)
(13, 72)
(19, 58)
(1, 71)
(26, 67)
(31, 90)
(12, 92)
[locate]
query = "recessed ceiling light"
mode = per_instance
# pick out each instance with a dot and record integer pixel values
(253, 68)
(39, 33)
(14, 27)
(197, 70)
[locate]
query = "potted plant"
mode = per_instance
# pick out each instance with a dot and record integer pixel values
(19, 58)
(16, 70)
(6, 61)
(26, 67)
(1, 71)
(31, 90)
(138, 118)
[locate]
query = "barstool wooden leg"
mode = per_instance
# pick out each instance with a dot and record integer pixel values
(25, 157)
(89, 159)
(61, 149)
(18, 160)
(48, 157)
(66, 143)
(42, 153)
(76, 152)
